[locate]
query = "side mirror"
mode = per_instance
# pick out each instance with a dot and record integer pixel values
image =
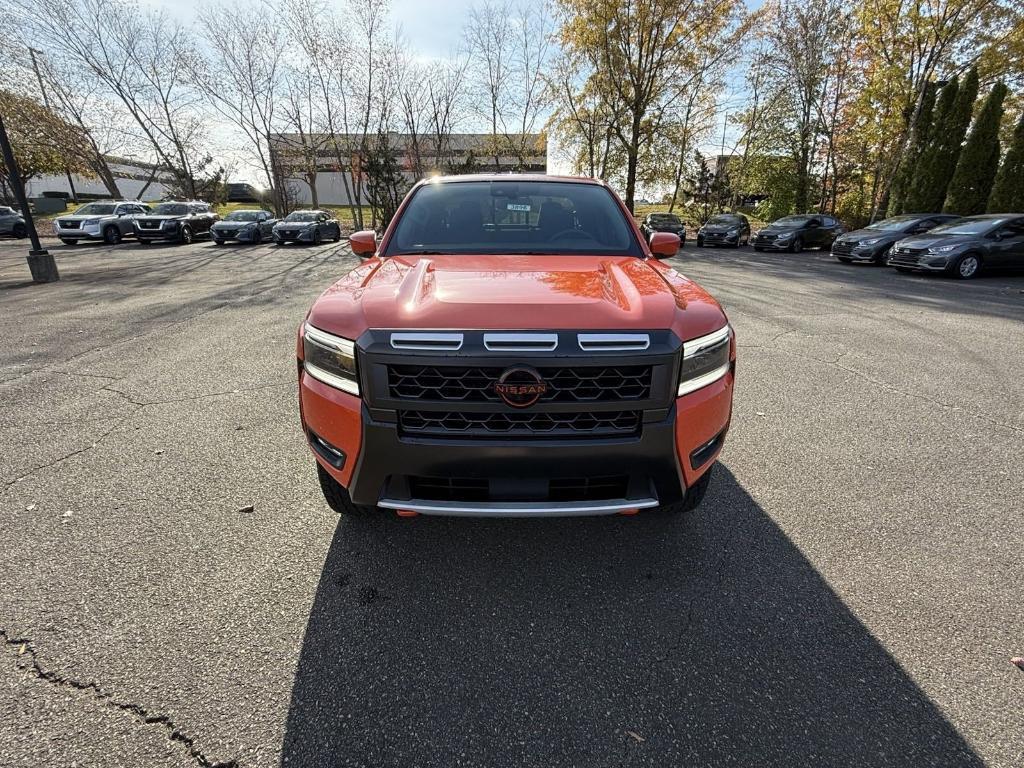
(664, 244)
(364, 243)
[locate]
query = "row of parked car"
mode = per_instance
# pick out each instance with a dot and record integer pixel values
(925, 242)
(183, 221)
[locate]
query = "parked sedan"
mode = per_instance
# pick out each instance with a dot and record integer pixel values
(794, 233)
(178, 222)
(243, 226)
(874, 241)
(11, 222)
(663, 222)
(307, 227)
(106, 221)
(964, 247)
(732, 229)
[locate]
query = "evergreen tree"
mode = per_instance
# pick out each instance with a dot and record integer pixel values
(918, 141)
(976, 169)
(1008, 192)
(938, 163)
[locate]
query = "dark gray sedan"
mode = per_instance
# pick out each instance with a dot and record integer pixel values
(964, 247)
(307, 227)
(11, 222)
(251, 226)
(874, 241)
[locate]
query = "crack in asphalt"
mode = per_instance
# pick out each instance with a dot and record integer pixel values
(11, 483)
(142, 714)
(204, 396)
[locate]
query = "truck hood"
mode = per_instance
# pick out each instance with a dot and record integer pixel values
(94, 217)
(516, 292)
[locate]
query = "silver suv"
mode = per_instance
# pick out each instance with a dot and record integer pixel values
(11, 222)
(108, 221)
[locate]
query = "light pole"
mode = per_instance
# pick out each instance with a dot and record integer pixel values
(40, 261)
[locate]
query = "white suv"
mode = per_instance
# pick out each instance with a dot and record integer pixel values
(108, 221)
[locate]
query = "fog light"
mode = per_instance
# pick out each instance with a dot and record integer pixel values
(333, 456)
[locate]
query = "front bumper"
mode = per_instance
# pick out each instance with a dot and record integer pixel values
(79, 233)
(385, 467)
(161, 233)
(293, 236)
(239, 235)
(858, 253)
(772, 245)
(920, 260)
(718, 238)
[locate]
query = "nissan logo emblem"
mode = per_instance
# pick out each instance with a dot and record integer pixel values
(520, 387)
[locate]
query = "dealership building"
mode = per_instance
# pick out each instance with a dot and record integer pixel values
(415, 156)
(135, 180)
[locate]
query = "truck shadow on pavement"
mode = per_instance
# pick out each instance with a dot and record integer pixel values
(599, 642)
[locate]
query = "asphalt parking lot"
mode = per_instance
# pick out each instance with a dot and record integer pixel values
(176, 593)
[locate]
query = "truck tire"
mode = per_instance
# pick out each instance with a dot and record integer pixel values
(18, 230)
(967, 267)
(694, 496)
(111, 235)
(185, 238)
(337, 498)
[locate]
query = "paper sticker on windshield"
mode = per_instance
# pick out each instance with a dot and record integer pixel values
(525, 208)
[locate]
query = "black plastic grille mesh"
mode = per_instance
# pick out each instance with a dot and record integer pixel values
(519, 424)
(472, 384)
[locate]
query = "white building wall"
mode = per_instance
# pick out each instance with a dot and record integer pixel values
(130, 188)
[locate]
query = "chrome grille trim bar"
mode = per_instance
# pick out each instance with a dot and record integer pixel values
(613, 342)
(520, 342)
(420, 341)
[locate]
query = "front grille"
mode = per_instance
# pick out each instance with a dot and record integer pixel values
(450, 488)
(589, 488)
(907, 255)
(149, 225)
(226, 232)
(453, 424)
(475, 384)
(843, 248)
(766, 238)
(70, 225)
(287, 233)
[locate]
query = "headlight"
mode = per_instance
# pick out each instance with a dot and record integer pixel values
(870, 241)
(944, 248)
(330, 359)
(705, 360)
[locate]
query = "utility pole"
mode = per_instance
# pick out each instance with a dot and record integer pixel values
(46, 102)
(40, 261)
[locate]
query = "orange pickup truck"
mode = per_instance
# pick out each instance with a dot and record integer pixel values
(512, 346)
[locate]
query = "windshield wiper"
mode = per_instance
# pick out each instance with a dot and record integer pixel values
(421, 253)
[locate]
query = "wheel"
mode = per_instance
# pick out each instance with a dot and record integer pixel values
(797, 246)
(111, 235)
(317, 237)
(700, 242)
(258, 238)
(844, 259)
(758, 248)
(67, 241)
(337, 235)
(337, 497)
(967, 266)
(185, 238)
(694, 496)
(18, 230)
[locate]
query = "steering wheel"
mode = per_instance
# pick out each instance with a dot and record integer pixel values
(577, 233)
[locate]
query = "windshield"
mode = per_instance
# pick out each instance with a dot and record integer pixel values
(893, 224)
(5, 211)
(242, 216)
(791, 221)
(724, 220)
(664, 218)
(302, 216)
(972, 226)
(171, 209)
(95, 209)
(513, 217)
